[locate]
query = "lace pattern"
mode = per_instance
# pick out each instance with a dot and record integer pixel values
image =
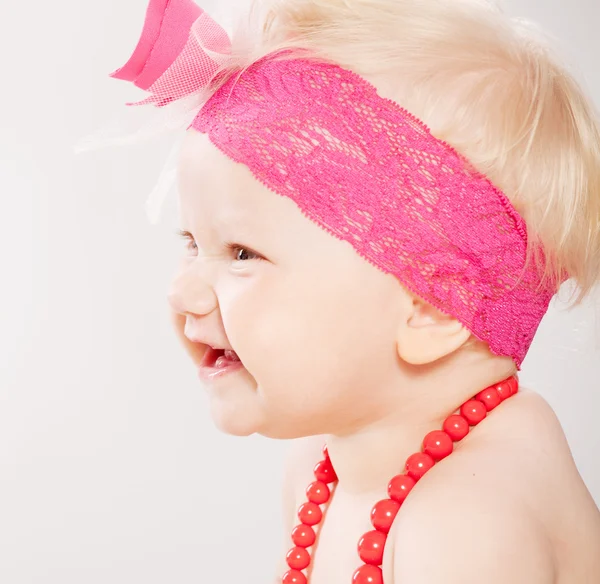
(371, 174)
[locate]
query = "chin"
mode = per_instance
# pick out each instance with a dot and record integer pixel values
(234, 427)
(232, 430)
(234, 423)
(241, 424)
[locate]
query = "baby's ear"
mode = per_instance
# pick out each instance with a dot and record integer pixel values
(426, 334)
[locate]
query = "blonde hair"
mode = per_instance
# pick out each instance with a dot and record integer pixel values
(487, 84)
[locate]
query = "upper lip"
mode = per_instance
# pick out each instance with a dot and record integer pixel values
(208, 344)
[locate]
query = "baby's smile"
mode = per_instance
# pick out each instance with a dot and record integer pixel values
(218, 362)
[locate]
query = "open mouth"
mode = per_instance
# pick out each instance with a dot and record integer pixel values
(219, 358)
(217, 363)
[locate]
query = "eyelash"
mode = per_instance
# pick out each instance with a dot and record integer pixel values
(187, 236)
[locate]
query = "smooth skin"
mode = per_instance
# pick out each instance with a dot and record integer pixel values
(336, 351)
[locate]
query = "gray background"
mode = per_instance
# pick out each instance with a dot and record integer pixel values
(110, 468)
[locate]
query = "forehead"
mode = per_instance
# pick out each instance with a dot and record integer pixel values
(214, 187)
(222, 199)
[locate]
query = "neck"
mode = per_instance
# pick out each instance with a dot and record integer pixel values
(368, 455)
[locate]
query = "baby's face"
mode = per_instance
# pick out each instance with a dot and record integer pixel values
(313, 323)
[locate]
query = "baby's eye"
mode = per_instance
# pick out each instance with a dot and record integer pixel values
(241, 253)
(188, 237)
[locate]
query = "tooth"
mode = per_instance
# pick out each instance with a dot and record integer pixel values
(221, 362)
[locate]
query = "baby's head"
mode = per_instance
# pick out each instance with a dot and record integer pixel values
(329, 338)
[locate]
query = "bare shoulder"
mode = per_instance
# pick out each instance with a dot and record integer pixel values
(498, 504)
(470, 535)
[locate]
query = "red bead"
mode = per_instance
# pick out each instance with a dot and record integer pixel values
(293, 577)
(489, 397)
(325, 451)
(318, 492)
(370, 547)
(383, 514)
(418, 464)
(473, 411)
(310, 513)
(400, 486)
(503, 389)
(298, 558)
(368, 575)
(324, 472)
(438, 445)
(303, 535)
(514, 384)
(456, 427)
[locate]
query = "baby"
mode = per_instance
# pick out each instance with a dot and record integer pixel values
(379, 199)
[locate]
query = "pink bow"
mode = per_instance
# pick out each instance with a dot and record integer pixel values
(180, 50)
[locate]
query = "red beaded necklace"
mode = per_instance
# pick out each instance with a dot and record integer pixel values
(436, 446)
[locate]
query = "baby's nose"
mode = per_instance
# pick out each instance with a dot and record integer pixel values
(175, 301)
(190, 294)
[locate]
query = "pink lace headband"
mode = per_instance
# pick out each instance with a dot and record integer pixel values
(358, 165)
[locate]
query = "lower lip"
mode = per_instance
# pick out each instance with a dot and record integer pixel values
(211, 373)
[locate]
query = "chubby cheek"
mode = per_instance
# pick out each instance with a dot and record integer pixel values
(297, 342)
(261, 325)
